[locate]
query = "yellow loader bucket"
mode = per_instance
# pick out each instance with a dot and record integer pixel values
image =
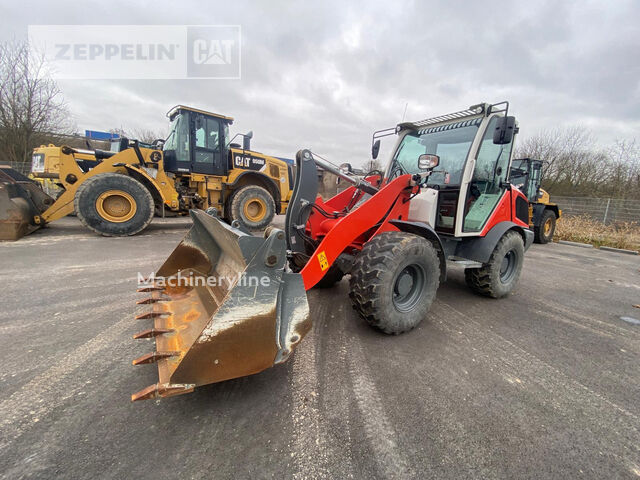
(222, 307)
(21, 201)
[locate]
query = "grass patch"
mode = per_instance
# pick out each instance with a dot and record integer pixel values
(587, 230)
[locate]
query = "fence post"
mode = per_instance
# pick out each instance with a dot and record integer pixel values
(606, 211)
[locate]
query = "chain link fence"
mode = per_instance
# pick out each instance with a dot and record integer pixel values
(605, 210)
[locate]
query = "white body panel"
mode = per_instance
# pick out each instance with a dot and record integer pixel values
(424, 207)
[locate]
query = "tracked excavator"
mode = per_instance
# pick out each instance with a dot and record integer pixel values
(442, 199)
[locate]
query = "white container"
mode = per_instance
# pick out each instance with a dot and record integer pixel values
(424, 207)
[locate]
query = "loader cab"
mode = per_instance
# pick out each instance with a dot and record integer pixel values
(197, 142)
(471, 178)
(526, 175)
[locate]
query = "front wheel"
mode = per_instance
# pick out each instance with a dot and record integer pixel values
(500, 275)
(114, 205)
(543, 233)
(394, 281)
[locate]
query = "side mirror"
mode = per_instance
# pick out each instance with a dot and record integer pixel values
(428, 161)
(505, 128)
(375, 149)
(246, 140)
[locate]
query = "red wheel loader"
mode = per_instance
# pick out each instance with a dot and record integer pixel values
(227, 304)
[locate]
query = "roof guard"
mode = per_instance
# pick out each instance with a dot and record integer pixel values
(472, 111)
(171, 113)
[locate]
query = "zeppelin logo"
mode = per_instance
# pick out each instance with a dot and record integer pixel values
(322, 259)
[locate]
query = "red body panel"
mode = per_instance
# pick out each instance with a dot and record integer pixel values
(505, 211)
(351, 229)
(354, 228)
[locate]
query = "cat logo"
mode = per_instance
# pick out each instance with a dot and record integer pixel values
(322, 259)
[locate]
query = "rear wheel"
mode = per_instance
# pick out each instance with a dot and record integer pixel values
(113, 204)
(501, 274)
(394, 281)
(333, 276)
(253, 206)
(543, 233)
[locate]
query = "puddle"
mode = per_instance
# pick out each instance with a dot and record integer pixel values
(631, 320)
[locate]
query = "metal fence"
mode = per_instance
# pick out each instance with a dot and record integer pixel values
(606, 210)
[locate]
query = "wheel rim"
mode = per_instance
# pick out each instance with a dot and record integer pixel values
(408, 287)
(116, 206)
(255, 209)
(508, 266)
(547, 227)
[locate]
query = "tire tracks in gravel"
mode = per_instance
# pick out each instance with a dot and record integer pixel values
(611, 426)
(383, 440)
(321, 402)
(308, 447)
(50, 389)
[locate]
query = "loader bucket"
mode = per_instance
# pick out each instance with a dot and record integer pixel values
(221, 307)
(21, 201)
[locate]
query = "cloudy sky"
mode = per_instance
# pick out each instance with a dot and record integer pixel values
(325, 75)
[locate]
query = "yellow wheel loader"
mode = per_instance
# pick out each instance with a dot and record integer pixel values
(526, 174)
(117, 193)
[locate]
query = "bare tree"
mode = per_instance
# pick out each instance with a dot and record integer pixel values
(147, 135)
(144, 135)
(576, 165)
(371, 165)
(31, 105)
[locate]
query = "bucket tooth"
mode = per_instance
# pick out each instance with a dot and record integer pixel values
(152, 332)
(146, 301)
(149, 289)
(161, 390)
(153, 357)
(146, 315)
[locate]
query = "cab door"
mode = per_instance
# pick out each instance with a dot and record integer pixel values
(488, 183)
(207, 146)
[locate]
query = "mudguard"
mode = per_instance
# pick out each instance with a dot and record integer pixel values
(426, 231)
(479, 249)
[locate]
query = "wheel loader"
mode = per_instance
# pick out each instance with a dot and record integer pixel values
(526, 173)
(226, 304)
(117, 193)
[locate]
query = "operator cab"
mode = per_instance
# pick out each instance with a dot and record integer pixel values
(474, 154)
(526, 175)
(197, 142)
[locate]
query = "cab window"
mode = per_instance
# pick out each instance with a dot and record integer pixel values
(488, 181)
(207, 133)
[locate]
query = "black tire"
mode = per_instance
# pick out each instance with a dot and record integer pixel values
(244, 199)
(501, 274)
(543, 232)
(333, 276)
(394, 281)
(92, 208)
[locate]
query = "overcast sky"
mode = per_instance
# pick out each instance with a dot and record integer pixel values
(325, 75)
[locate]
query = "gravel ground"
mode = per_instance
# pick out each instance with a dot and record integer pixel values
(542, 384)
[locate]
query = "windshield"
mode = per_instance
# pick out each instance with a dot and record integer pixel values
(178, 138)
(452, 146)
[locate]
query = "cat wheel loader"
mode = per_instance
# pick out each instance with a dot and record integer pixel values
(117, 193)
(226, 304)
(526, 173)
